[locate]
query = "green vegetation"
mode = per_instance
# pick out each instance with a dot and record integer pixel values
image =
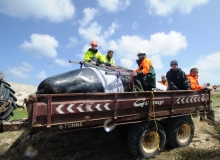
(204, 153)
(215, 97)
(19, 113)
(200, 154)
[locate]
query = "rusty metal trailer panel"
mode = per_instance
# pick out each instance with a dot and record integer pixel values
(88, 110)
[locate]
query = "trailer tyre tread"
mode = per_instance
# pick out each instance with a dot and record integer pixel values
(136, 134)
(172, 127)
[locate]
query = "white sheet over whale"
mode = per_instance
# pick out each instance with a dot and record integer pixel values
(109, 82)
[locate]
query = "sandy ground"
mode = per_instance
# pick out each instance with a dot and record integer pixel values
(22, 91)
(86, 144)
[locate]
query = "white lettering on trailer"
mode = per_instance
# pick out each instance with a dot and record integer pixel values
(79, 108)
(71, 125)
(58, 109)
(69, 108)
(136, 104)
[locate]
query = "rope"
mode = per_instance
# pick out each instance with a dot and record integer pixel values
(118, 73)
(152, 93)
(137, 88)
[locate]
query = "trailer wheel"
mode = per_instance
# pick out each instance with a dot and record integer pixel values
(179, 131)
(144, 141)
(7, 101)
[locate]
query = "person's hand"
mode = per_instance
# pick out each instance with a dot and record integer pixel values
(208, 88)
(94, 63)
(134, 74)
(108, 64)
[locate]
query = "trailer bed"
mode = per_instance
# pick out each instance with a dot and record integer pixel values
(88, 110)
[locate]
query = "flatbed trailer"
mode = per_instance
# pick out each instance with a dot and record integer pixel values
(160, 117)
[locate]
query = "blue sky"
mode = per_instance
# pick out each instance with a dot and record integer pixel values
(38, 37)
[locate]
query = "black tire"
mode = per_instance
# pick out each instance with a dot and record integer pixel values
(179, 131)
(211, 115)
(145, 131)
(7, 94)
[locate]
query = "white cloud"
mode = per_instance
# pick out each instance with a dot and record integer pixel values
(209, 67)
(209, 62)
(73, 42)
(41, 75)
(51, 10)
(166, 7)
(62, 62)
(127, 63)
(156, 61)
(89, 14)
(111, 30)
(25, 67)
(95, 32)
(159, 44)
(91, 32)
(135, 26)
(21, 71)
(114, 5)
(41, 45)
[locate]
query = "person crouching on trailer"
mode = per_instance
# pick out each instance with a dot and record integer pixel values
(108, 59)
(93, 55)
(145, 72)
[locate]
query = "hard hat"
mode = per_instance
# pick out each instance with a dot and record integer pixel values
(94, 43)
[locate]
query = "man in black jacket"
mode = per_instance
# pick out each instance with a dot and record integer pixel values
(177, 79)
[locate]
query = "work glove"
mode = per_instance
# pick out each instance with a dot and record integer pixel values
(108, 64)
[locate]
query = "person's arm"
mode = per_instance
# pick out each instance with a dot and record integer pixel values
(87, 56)
(171, 85)
(146, 66)
(113, 62)
(186, 82)
(195, 86)
(100, 57)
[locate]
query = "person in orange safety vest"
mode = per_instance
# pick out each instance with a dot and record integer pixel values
(145, 72)
(163, 80)
(193, 78)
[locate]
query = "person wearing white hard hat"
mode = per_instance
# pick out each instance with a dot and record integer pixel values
(145, 72)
